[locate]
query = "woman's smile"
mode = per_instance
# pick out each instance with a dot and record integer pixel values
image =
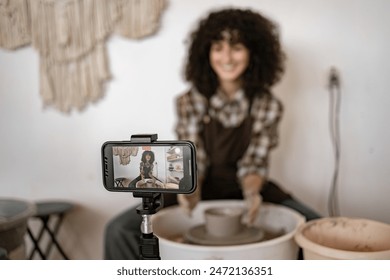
(229, 61)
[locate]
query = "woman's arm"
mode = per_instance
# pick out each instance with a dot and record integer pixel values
(266, 113)
(190, 109)
(253, 167)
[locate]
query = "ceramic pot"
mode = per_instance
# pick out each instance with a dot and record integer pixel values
(223, 221)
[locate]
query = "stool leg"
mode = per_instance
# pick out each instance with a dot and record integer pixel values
(36, 243)
(53, 240)
(50, 242)
(53, 237)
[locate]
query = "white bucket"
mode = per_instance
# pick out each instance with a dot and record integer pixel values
(344, 238)
(171, 223)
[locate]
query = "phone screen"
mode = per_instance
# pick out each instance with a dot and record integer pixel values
(152, 167)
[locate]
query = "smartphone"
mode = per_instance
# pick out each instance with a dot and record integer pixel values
(158, 166)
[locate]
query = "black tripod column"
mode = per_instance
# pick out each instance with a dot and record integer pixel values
(149, 246)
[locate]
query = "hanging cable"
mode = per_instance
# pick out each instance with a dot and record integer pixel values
(334, 127)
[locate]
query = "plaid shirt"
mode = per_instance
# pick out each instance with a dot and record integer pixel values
(266, 112)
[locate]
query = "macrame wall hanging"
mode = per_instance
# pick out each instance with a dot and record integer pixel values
(70, 37)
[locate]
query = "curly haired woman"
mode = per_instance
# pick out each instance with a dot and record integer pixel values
(230, 114)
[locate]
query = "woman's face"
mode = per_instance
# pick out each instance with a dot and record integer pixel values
(229, 61)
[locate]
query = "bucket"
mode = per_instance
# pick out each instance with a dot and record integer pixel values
(344, 238)
(14, 215)
(170, 225)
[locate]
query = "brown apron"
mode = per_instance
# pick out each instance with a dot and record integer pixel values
(224, 148)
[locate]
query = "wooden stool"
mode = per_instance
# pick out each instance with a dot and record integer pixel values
(46, 211)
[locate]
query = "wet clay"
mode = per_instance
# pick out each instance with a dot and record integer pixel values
(268, 235)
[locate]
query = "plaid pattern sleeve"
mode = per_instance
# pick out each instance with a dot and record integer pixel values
(190, 112)
(266, 113)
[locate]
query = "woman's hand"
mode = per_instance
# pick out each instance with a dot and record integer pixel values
(251, 187)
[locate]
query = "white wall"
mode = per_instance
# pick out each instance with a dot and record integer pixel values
(49, 155)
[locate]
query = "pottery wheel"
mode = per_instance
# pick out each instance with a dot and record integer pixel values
(198, 235)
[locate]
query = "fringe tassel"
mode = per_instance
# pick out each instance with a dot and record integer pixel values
(139, 18)
(14, 24)
(70, 36)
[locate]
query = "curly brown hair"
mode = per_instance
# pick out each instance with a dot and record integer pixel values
(259, 34)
